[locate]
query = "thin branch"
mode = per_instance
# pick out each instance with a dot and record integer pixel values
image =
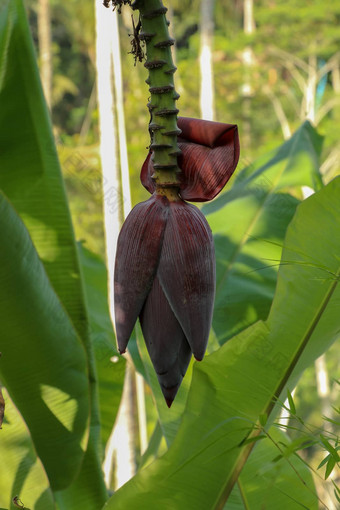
(331, 161)
(282, 118)
(285, 55)
(322, 112)
(329, 66)
(288, 61)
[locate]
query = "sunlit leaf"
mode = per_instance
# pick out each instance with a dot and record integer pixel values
(30, 177)
(329, 467)
(292, 407)
(23, 473)
(48, 384)
(330, 448)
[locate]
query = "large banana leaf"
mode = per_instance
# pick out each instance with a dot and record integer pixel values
(244, 379)
(43, 363)
(249, 223)
(31, 178)
(30, 175)
(23, 475)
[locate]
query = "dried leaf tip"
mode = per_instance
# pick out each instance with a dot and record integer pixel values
(116, 4)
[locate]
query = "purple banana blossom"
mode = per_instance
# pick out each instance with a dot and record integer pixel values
(210, 153)
(165, 263)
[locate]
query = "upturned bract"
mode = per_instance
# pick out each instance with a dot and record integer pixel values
(165, 262)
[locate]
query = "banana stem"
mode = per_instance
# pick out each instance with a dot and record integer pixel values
(163, 96)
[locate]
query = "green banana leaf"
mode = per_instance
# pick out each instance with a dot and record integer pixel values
(43, 363)
(249, 223)
(30, 173)
(23, 474)
(109, 364)
(31, 178)
(87, 491)
(243, 380)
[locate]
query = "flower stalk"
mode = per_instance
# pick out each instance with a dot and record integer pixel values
(163, 96)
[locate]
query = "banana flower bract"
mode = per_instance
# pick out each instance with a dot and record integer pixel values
(165, 262)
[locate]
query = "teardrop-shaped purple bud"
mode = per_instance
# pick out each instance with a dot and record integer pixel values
(186, 272)
(166, 343)
(138, 251)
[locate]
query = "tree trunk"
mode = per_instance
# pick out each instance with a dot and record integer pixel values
(45, 49)
(123, 447)
(85, 128)
(336, 79)
(126, 199)
(118, 85)
(120, 448)
(311, 89)
(280, 113)
(322, 384)
(108, 138)
(207, 102)
(248, 61)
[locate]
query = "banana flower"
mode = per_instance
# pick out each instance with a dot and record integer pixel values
(165, 262)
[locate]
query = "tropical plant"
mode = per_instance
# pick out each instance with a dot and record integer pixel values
(276, 310)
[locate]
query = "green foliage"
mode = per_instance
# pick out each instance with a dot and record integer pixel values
(83, 184)
(59, 365)
(28, 157)
(72, 59)
(47, 363)
(53, 393)
(314, 21)
(272, 482)
(22, 473)
(50, 304)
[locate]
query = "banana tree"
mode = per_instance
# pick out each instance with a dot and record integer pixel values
(276, 310)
